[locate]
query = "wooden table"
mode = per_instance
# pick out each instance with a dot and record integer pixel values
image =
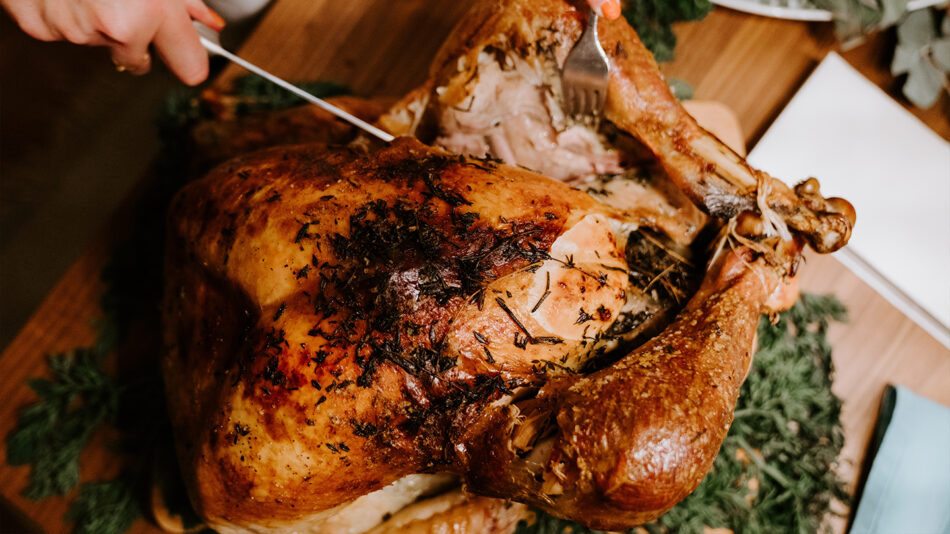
(381, 47)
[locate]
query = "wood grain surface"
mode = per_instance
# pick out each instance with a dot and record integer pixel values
(380, 47)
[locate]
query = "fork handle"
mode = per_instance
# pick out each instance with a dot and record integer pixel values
(592, 21)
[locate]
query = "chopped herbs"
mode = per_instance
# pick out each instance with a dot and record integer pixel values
(273, 374)
(583, 317)
(363, 430)
(511, 314)
(520, 341)
(302, 233)
(547, 292)
(657, 268)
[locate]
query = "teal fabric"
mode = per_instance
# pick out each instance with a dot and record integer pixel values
(908, 488)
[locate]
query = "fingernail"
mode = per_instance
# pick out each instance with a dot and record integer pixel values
(218, 20)
(611, 9)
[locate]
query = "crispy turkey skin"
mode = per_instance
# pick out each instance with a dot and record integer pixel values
(339, 314)
(351, 330)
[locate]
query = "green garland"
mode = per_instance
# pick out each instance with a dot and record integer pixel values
(653, 20)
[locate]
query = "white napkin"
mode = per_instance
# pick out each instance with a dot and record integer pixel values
(863, 146)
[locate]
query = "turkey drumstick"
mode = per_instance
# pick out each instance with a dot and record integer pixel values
(619, 447)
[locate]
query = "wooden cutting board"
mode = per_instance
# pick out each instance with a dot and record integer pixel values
(381, 47)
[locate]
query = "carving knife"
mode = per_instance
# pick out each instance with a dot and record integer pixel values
(209, 39)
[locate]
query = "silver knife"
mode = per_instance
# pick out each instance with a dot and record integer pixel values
(209, 39)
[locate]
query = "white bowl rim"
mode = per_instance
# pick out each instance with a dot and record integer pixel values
(802, 13)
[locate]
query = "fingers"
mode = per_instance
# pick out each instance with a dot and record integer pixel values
(133, 59)
(178, 45)
(176, 41)
(127, 27)
(50, 20)
(609, 9)
(30, 19)
(199, 11)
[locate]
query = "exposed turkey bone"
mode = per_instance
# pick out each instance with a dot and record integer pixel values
(639, 102)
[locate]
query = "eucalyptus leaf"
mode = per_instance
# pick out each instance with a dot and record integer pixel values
(905, 57)
(924, 83)
(855, 18)
(940, 51)
(923, 56)
(917, 29)
(892, 11)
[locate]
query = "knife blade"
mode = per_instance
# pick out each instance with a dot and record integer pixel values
(209, 39)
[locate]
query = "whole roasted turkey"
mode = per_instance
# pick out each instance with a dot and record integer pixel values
(493, 311)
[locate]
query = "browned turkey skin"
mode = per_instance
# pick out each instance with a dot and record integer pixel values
(346, 327)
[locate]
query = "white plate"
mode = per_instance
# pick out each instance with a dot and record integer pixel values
(799, 9)
(867, 148)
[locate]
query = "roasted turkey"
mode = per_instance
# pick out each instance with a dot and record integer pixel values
(504, 307)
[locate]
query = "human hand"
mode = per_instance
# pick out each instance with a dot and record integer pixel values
(609, 9)
(127, 27)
